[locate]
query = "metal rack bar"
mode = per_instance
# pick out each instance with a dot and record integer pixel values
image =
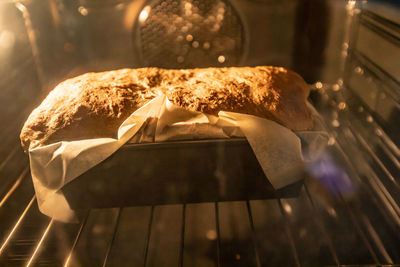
(146, 250)
(350, 234)
(182, 236)
(379, 134)
(380, 189)
(130, 238)
(376, 239)
(377, 72)
(218, 235)
(389, 153)
(360, 221)
(365, 145)
(289, 235)
(311, 245)
(358, 227)
(357, 145)
(320, 224)
(44, 235)
(271, 234)
(78, 235)
(392, 150)
(200, 247)
(14, 186)
(165, 239)
(381, 19)
(385, 197)
(5, 242)
(10, 177)
(113, 237)
(388, 35)
(376, 184)
(253, 235)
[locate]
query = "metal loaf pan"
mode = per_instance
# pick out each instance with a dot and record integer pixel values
(175, 172)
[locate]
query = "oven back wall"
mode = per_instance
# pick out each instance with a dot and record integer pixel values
(74, 37)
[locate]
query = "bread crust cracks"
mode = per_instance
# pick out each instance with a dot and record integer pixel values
(93, 105)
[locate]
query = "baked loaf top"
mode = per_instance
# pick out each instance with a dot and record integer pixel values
(93, 105)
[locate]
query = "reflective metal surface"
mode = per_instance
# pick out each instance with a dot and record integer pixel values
(347, 213)
(187, 34)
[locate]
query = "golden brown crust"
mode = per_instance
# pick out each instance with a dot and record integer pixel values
(95, 104)
(271, 92)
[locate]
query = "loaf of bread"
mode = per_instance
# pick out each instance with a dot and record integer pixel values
(95, 104)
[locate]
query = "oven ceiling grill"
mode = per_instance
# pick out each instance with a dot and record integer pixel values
(187, 34)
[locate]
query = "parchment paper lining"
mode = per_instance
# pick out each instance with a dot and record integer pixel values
(277, 148)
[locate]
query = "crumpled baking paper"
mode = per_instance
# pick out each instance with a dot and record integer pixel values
(277, 148)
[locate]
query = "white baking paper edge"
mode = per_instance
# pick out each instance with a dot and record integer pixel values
(277, 148)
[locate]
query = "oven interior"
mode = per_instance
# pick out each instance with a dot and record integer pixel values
(347, 212)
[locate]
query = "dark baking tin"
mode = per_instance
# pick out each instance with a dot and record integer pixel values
(175, 172)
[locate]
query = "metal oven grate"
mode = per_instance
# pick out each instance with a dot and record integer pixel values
(347, 213)
(187, 34)
(351, 219)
